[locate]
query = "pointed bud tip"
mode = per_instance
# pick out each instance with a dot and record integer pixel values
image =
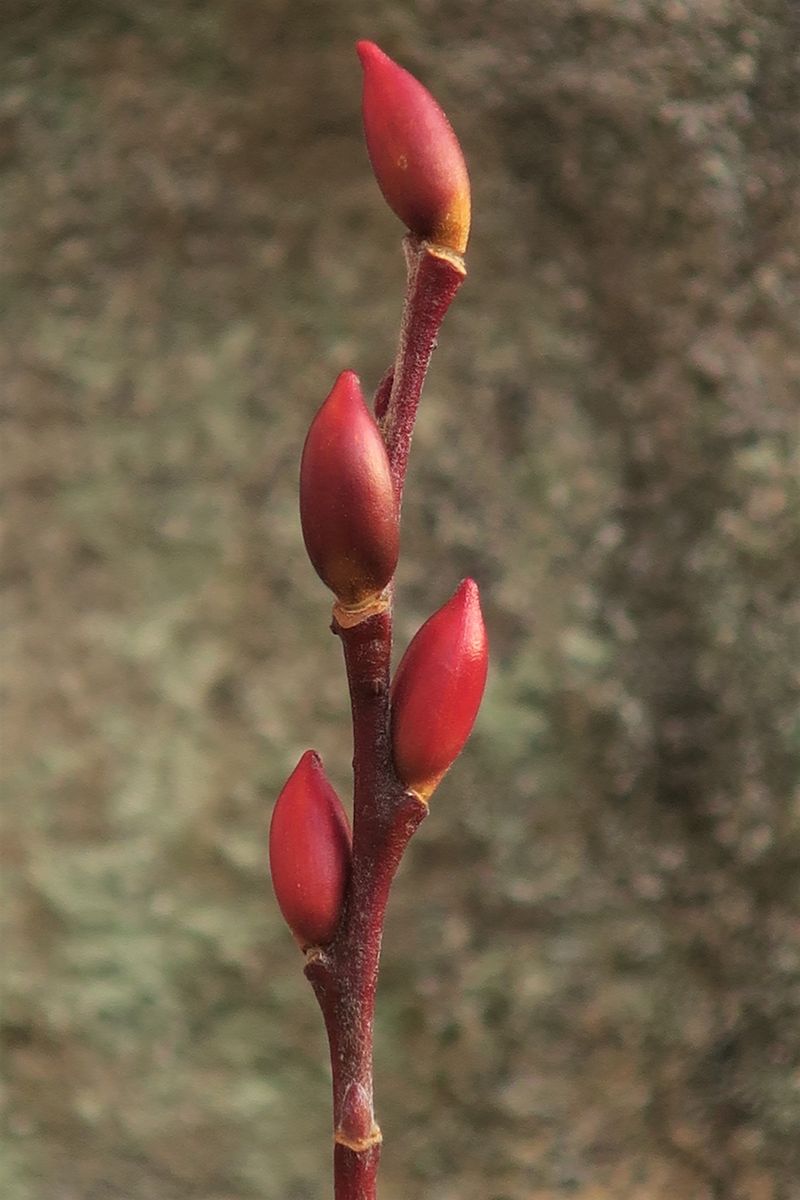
(367, 51)
(467, 592)
(345, 395)
(310, 764)
(466, 601)
(348, 381)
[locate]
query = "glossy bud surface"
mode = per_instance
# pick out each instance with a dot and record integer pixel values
(309, 853)
(348, 507)
(416, 156)
(437, 690)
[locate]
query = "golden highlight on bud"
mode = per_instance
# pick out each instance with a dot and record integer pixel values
(416, 156)
(348, 507)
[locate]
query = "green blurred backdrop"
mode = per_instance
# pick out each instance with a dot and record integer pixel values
(591, 983)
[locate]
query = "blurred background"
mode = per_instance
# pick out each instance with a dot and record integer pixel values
(591, 982)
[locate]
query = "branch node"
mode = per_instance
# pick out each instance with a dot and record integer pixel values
(347, 617)
(359, 1145)
(456, 261)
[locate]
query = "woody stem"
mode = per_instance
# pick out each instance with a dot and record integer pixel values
(344, 975)
(434, 276)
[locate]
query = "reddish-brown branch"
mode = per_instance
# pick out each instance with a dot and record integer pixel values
(345, 973)
(427, 185)
(355, 1173)
(434, 276)
(382, 394)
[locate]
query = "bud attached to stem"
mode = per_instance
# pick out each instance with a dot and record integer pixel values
(348, 506)
(414, 152)
(437, 691)
(309, 853)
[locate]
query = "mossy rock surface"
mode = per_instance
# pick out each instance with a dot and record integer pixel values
(591, 967)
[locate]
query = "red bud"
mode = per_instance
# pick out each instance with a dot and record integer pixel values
(437, 690)
(348, 507)
(415, 155)
(309, 853)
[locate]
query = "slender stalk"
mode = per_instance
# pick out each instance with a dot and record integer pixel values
(344, 975)
(350, 498)
(434, 276)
